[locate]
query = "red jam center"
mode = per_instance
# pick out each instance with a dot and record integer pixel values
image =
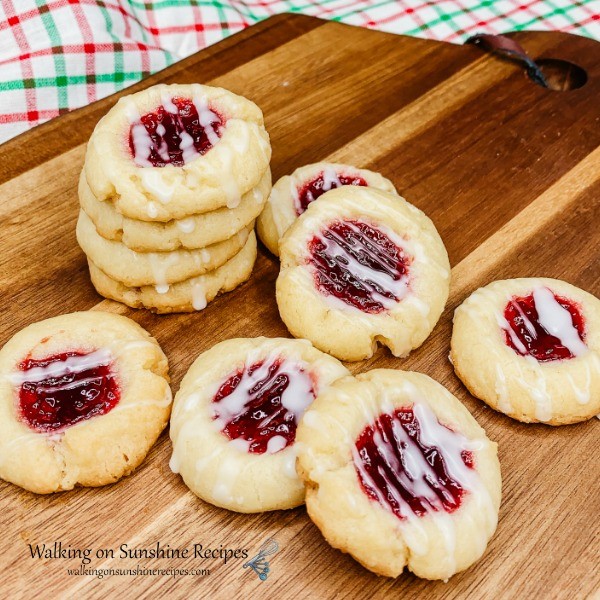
(65, 389)
(311, 190)
(531, 338)
(173, 138)
(359, 265)
(262, 404)
(396, 469)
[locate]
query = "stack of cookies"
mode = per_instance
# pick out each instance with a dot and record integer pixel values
(174, 178)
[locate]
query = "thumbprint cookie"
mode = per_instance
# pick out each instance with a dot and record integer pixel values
(399, 474)
(292, 194)
(195, 231)
(154, 268)
(83, 397)
(188, 295)
(171, 151)
(530, 348)
(362, 266)
(235, 418)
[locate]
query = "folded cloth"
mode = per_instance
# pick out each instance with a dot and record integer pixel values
(57, 55)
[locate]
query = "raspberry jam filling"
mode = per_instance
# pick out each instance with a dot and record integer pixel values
(176, 132)
(408, 462)
(359, 265)
(329, 179)
(64, 389)
(544, 326)
(260, 406)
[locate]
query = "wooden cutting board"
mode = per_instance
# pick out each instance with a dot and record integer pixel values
(510, 174)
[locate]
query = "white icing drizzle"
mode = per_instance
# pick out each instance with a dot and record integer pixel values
(531, 376)
(557, 321)
(167, 102)
(415, 469)
(230, 186)
(451, 444)
(143, 144)
(162, 288)
(160, 263)
(131, 110)
(205, 461)
(152, 210)
(289, 462)
(186, 225)
(174, 461)
(199, 300)
(206, 116)
(582, 394)
(539, 391)
(296, 397)
(241, 141)
(312, 419)
(153, 181)
(275, 444)
(191, 402)
(186, 145)
(227, 475)
(295, 186)
(60, 368)
(194, 410)
(331, 179)
(422, 306)
(369, 277)
(504, 324)
(553, 318)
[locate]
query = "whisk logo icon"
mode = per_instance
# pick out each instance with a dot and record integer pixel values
(259, 564)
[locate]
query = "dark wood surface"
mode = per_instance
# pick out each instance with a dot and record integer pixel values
(510, 174)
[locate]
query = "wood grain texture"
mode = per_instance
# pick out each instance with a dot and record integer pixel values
(510, 174)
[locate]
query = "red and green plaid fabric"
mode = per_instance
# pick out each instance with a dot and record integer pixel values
(56, 55)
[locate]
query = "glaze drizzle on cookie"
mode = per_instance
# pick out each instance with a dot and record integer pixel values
(544, 326)
(329, 179)
(64, 389)
(261, 404)
(176, 132)
(361, 265)
(410, 463)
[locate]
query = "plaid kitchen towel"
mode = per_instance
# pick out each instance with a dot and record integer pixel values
(56, 55)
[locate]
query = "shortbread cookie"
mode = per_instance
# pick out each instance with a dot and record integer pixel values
(362, 266)
(399, 474)
(154, 268)
(184, 296)
(83, 397)
(292, 194)
(235, 416)
(197, 231)
(172, 151)
(530, 348)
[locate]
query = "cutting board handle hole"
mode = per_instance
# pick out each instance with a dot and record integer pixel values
(561, 75)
